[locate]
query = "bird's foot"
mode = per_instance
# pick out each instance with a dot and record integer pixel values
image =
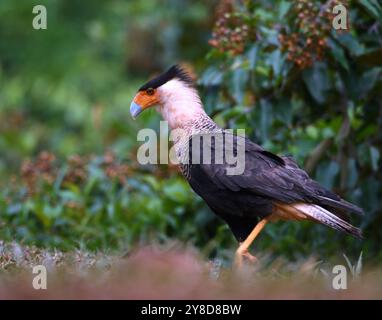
(243, 255)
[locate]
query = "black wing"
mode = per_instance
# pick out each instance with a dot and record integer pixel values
(265, 175)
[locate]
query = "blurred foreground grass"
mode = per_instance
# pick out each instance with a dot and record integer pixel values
(172, 272)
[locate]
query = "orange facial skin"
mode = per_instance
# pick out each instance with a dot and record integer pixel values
(144, 100)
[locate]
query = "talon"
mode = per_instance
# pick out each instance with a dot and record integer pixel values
(240, 255)
(250, 257)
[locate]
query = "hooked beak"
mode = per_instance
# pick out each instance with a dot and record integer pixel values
(135, 109)
(141, 102)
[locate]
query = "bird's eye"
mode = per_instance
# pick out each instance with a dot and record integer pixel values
(150, 91)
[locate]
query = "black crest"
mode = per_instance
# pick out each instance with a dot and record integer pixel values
(174, 72)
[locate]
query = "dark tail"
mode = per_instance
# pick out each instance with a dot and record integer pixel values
(341, 205)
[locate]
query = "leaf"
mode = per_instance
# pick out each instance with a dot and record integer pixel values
(326, 274)
(40, 211)
(326, 173)
(374, 156)
(270, 36)
(52, 211)
(211, 77)
(284, 8)
(14, 209)
(373, 7)
(176, 190)
(252, 57)
(276, 62)
(233, 112)
(60, 177)
(263, 71)
(68, 195)
(152, 181)
(312, 132)
(352, 176)
(351, 267)
(354, 47)
(317, 81)
(368, 80)
(338, 54)
(239, 79)
(265, 112)
(282, 111)
(358, 268)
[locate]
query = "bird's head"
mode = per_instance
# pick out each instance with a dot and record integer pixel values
(174, 93)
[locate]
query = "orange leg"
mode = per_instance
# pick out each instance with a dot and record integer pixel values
(242, 251)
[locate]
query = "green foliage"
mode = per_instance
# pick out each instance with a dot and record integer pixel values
(325, 111)
(98, 203)
(69, 87)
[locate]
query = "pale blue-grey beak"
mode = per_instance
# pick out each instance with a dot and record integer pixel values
(135, 109)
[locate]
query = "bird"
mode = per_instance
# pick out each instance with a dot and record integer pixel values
(269, 188)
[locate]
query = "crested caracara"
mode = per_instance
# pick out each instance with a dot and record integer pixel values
(269, 187)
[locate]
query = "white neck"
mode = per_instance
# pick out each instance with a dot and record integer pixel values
(180, 104)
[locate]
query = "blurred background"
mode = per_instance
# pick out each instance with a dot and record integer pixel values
(68, 172)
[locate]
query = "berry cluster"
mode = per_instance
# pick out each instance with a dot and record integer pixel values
(308, 42)
(40, 170)
(45, 170)
(231, 33)
(113, 169)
